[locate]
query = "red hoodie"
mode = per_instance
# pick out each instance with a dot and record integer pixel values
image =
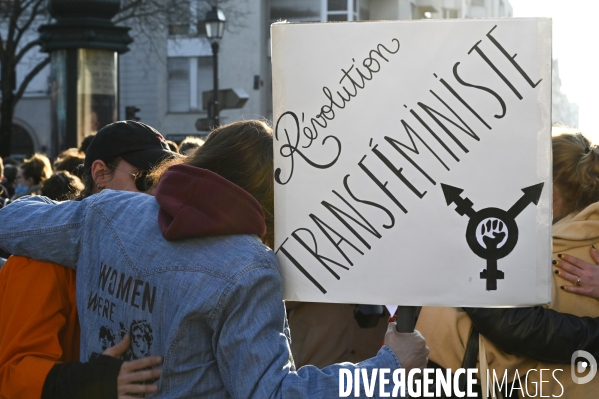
(196, 202)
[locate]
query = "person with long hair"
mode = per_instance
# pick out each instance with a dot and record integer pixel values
(191, 272)
(31, 174)
(39, 326)
(546, 335)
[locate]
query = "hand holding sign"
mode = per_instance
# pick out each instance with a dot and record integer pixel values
(410, 348)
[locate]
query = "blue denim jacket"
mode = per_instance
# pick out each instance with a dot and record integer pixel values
(212, 307)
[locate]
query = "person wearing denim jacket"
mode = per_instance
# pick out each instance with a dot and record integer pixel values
(208, 298)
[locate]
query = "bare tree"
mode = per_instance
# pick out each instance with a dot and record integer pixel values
(17, 19)
(20, 19)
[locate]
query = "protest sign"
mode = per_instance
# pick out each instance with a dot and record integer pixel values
(413, 161)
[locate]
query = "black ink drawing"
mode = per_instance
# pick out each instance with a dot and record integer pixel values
(492, 233)
(128, 355)
(141, 339)
(107, 337)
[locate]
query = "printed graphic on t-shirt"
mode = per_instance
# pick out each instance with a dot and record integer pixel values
(117, 289)
(107, 337)
(142, 337)
(116, 296)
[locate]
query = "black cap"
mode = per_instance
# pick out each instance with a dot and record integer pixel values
(137, 143)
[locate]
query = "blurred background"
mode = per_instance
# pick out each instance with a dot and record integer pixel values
(163, 72)
(574, 57)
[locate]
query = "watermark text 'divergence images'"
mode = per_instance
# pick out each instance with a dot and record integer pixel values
(461, 383)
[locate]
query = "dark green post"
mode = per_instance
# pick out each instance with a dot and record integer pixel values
(84, 45)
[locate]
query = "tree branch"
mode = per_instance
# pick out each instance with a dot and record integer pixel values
(15, 14)
(29, 78)
(129, 5)
(32, 16)
(27, 4)
(25, 49)
(1, 45)
(159, 11)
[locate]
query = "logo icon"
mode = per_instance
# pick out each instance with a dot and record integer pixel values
(491, 233)
(589, 363)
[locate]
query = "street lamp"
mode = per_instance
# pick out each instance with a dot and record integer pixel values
(215, 28)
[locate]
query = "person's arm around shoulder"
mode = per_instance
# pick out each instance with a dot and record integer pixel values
(37, 317)
(42, 229)
(539, 333)
(104, 377)
(545, 334)
(580, 277)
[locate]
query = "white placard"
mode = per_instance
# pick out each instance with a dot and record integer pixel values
(413, 161)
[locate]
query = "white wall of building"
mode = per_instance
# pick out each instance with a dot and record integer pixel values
(243, 60)
(142, 81)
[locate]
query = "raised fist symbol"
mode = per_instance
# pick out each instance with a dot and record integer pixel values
(492, 233)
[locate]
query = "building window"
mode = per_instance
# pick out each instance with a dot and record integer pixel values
(178, 84)
(177, 30)
(188, 78)
(295, 10)
(364, 10)
(188, 18)
(341, 10)
(478, 3)
(319, 10)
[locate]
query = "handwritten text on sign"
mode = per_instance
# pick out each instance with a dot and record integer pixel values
(366, 134)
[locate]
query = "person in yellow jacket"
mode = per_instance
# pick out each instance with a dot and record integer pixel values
(575, 230)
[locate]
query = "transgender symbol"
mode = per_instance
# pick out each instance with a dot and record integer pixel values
(492, 233)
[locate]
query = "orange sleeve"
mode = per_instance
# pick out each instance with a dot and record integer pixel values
(36, 308)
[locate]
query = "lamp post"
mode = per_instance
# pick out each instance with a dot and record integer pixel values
(215, 28)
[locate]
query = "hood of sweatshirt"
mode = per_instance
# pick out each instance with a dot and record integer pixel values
(196, 202)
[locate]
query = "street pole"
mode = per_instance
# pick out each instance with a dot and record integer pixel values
(215, 105)
(215, 28)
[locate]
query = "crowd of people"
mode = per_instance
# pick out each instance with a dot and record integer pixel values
(185, 273)
(146, 268)
(59, 180)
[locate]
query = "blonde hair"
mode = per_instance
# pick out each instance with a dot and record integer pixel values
(576, 170)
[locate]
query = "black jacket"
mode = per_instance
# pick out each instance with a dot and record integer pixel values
(539, 333)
